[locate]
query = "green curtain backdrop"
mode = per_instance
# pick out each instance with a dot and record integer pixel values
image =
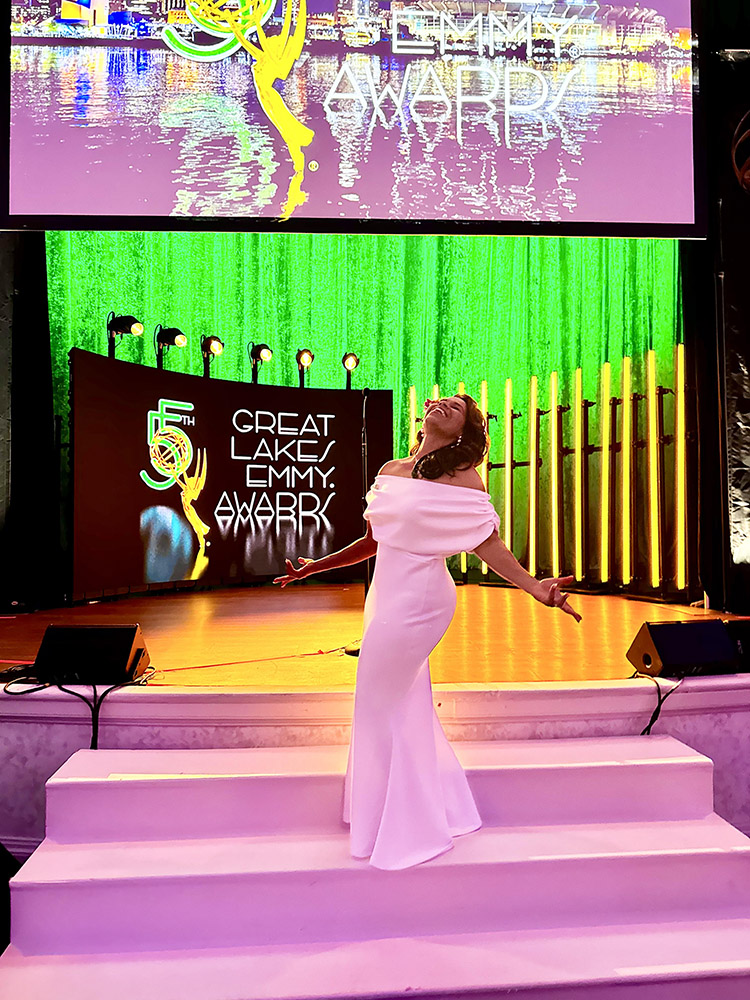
(417, 309)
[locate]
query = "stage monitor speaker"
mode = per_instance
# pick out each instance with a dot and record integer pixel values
(91, 654)
(684, 649)
(739, 633)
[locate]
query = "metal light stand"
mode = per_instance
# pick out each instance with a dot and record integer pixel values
(615, 448)
(514, 464)
(158, 348)
(637, 444)
(534, 474)
(662, 440)
(588, 450)
(562, 452)
(365, 480)
(353, 648)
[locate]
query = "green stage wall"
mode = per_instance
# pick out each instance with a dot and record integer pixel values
(417, 309)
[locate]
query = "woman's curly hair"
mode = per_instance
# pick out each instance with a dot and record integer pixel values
(465, 453)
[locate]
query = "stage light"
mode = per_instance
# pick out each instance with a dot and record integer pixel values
(211, 347)
(680, 469)
(508, 420)
(258, 353)
(124, 324)
(533, 471)
(578, 459)
(606, 428)
(627, 467)
(350, 361)
(484, 467)
(119, 326)
(654, 485)
(554, 447)
(164, 338)
(304, 359)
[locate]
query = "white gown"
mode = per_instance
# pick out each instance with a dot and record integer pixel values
(406, 794)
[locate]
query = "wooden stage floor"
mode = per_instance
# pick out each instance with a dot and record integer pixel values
(267, 639)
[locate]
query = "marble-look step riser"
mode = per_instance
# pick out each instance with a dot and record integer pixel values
(90, 811)
(202, 911)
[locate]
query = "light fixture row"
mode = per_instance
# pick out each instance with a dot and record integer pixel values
(170, 336)
(164, 338)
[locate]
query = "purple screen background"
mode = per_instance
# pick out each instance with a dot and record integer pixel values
(108, 121)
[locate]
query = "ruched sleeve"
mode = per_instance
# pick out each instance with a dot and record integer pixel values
(429, 518)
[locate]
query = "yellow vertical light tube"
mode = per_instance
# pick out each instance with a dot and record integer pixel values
(436, 391)
(484, 467)
(554, 446)
(578, 474)
(464, 558)
(653, 468)
(412, 416)
(680, 470)
(627, 471)
(508, 460)
(533, 463)
(606, 429)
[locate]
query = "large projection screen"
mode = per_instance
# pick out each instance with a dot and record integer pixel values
(180, 478)
(525, 115)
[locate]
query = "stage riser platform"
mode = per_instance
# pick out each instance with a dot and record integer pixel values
(301, 789)
(627, 909)
(624, 963)
(330, 899)
(40, 732)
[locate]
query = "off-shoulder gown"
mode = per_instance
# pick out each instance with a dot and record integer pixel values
(406, 794)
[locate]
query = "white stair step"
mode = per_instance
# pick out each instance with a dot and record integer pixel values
(286, 889)
(688, 960)
(123, 795)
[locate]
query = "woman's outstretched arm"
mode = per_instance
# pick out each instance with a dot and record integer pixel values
(363, 548)
(501, 560)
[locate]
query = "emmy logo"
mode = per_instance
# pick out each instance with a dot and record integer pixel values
(171, 453)
(273, 59)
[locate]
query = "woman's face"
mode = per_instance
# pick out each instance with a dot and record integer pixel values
(445, 416)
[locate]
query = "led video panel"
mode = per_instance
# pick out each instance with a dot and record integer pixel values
(510, 112)
(198, 479)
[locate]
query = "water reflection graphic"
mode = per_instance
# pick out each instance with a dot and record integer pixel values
(107, 130)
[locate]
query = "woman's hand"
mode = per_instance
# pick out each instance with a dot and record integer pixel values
(294, 573)
(549, 593)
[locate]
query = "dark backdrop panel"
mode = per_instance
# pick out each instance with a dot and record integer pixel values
(29, 461)
(178, 478)
(734, 313)
(7, 251)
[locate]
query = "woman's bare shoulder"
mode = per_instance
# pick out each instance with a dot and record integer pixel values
(469, 478)
(397, 467)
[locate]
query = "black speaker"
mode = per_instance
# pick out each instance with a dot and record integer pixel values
(739, 633)
(686, 649)
(90, 654)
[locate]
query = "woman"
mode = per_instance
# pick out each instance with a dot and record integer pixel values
(406, 794)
